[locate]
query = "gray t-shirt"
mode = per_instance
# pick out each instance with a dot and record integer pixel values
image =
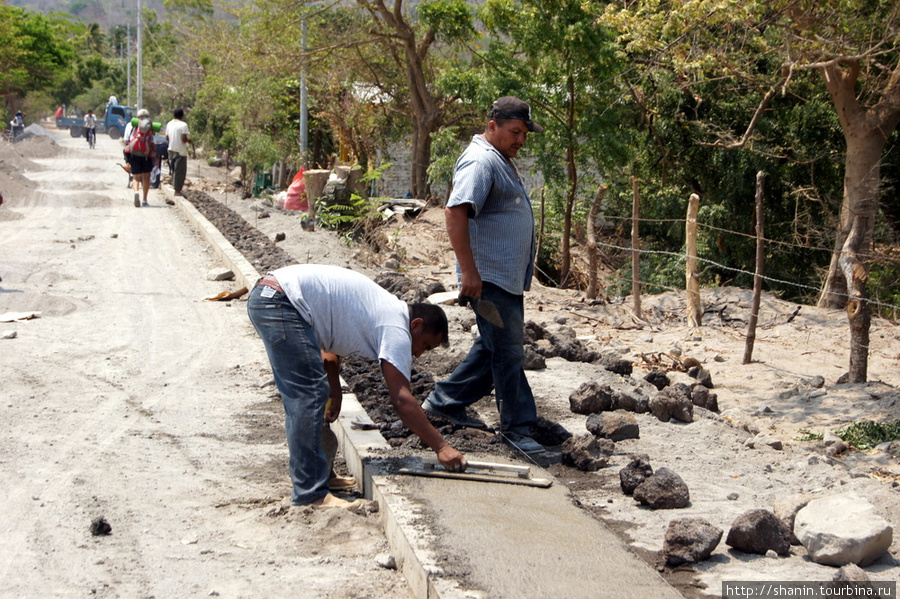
(350, 313)
(501, 222)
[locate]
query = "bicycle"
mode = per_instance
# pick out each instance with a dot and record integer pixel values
(91, 135)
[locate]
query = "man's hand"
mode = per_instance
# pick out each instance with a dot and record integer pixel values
(451, 459)
(333, 409)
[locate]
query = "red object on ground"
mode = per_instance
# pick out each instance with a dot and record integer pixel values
(296, 194)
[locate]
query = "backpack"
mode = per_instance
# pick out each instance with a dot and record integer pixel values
(141, 143)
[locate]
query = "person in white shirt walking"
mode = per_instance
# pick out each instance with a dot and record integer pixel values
(90, 128)
(177, 135)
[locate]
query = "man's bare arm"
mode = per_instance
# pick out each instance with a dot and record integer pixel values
(457, 220)
(414, 418)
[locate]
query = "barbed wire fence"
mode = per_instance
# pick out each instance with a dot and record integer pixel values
(885, 309)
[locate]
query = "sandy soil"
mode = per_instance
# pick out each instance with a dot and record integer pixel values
(179, 441)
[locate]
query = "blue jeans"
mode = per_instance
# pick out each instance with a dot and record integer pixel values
(296, 361)
(495, 362)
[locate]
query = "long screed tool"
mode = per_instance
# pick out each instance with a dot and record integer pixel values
(485, 472)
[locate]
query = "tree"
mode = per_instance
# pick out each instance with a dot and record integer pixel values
(852, 44)
(410, 43)
(33, 54)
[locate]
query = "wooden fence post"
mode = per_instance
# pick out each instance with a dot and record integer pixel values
(758, 275)
(694, 311)
(635, 250)
(593, 287)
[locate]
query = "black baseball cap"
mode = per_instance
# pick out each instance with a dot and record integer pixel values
(510, 107)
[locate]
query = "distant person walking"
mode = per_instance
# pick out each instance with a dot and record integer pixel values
(18, 124)
(178, 136)
(140, 153)
(90, 128)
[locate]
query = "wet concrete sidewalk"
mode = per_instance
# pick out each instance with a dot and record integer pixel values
(462, 539)
(457, 538)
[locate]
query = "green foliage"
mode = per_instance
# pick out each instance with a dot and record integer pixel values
(866, 434)
(350, 217)
(806, 435)
(34, 53)
(445, 149)
(452, 20)
(256, 151)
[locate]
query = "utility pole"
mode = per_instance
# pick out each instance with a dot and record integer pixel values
(128, 52)
(140, 56)
(304, 114)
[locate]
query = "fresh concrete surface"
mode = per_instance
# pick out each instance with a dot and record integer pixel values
(461, 539)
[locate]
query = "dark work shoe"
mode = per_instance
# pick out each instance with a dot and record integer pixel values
(522, 443)
(534, 451)
(455, 417)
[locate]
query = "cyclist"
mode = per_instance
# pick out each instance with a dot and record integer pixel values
(90, 127)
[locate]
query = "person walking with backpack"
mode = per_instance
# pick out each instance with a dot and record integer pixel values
(177, 135)
(140, 153)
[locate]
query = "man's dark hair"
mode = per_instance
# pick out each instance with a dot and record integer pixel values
(433, 319)
(179, 113)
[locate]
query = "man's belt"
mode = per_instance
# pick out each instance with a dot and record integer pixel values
(270, 281)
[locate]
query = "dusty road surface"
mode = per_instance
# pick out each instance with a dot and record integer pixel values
(132, 399)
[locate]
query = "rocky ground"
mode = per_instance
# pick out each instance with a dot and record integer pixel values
(768, 440)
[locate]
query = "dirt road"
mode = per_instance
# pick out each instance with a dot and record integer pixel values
(133, 399)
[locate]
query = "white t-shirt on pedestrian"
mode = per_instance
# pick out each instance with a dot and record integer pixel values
(174, 130)
(350, 313)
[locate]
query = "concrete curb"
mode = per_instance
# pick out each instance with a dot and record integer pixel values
(245, 275)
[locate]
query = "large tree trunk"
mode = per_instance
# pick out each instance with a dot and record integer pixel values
(866, 130)
(426, 113)
(857, 307)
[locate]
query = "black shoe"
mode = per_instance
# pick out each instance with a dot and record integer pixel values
(457, 417)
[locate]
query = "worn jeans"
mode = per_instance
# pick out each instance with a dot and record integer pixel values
(495, 362)
(296, 361)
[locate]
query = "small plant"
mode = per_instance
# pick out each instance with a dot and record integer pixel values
(806, 435)
(343, 217)
(866, 434)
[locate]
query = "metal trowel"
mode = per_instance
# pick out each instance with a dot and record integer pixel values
(484, 308)
(485, 472)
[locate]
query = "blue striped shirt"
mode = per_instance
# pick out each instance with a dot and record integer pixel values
(501, 221)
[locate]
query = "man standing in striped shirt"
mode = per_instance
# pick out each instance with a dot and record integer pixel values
(491, 227)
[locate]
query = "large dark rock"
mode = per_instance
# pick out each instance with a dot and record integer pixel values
(587, 452)
(658, 379)
(673, 402)
(634, 473)
(702, 375)
(590, 397)
(617, 426)
(702, 397)
(758, 531)
(664, 490)
(616, 364)
(689, 540)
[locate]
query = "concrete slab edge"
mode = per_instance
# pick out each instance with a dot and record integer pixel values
(364, 452)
